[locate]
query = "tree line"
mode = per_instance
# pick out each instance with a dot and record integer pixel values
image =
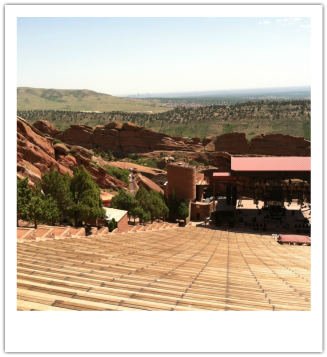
(150, 205)
(77, 199)
(59, 197)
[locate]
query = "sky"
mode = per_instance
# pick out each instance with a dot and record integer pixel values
(180, 48)
(125, 56)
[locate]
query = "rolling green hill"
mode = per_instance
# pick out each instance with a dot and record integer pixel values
(82, 100)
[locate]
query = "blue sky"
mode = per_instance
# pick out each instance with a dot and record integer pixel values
(138, 55)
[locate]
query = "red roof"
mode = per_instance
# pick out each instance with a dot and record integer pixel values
(271, 163)
(224, 176)
(294, 239)
(221, 174)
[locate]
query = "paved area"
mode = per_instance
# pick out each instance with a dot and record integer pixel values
(181, 269)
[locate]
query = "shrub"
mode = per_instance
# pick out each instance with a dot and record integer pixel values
(118, 173)
(56, 141)
(112, 225)
(133, 156)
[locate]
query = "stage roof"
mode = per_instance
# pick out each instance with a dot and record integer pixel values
(294, 239)
(271, 163)
(218, 174)
(223, 176)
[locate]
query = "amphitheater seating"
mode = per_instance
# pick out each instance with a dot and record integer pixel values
(180, 269)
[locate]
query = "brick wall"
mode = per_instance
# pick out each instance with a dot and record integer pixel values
(182, 180)
(122, 225)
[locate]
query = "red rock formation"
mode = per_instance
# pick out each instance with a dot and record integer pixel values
(82, 155)
(67, 161)
(34, 136)
(156, 175)
(280, 145)
(127, 137)
(26, 169)
(147, 183)
(36, 156)
(46, 128)
(35, 149)
(233, 143)
(77, 135)
(104, 180)
(61, 148)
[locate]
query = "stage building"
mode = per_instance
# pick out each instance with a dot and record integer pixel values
(273, 181)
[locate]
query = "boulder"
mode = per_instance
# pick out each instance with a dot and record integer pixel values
(26, 169)
(62, 148)
(67, 161)
(208, 139)
(114, 125)
(233, 143)
(164, 162)
(46, 128)
(131, 126)
(196, 140)
(147, 183)
(81, 154)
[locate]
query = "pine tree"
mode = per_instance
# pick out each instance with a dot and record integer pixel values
(124, 201)
(183, 211)
(58, 187)
(42, 209)
(87, 203)
(24, 195)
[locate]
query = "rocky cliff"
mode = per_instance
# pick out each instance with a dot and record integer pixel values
(127, 137)
(131, 138)
(36, 155)
(269, 144)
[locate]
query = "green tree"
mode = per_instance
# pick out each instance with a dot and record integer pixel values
(58, 187)
(152, 203)
(24, 195)
(158, 205)
(124, 201)
(173, 206)
(183, 211)
(87, 203)
(42, 209)
(143, 198)
(112, 225)
(139, 213)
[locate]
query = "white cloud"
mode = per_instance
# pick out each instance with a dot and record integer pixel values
(288, 19)
(307, 26)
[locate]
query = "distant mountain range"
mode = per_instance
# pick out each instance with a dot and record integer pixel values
(81, 100)
(303, 92)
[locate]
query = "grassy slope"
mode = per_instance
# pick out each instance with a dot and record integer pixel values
(54, 99)
(292, 118)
